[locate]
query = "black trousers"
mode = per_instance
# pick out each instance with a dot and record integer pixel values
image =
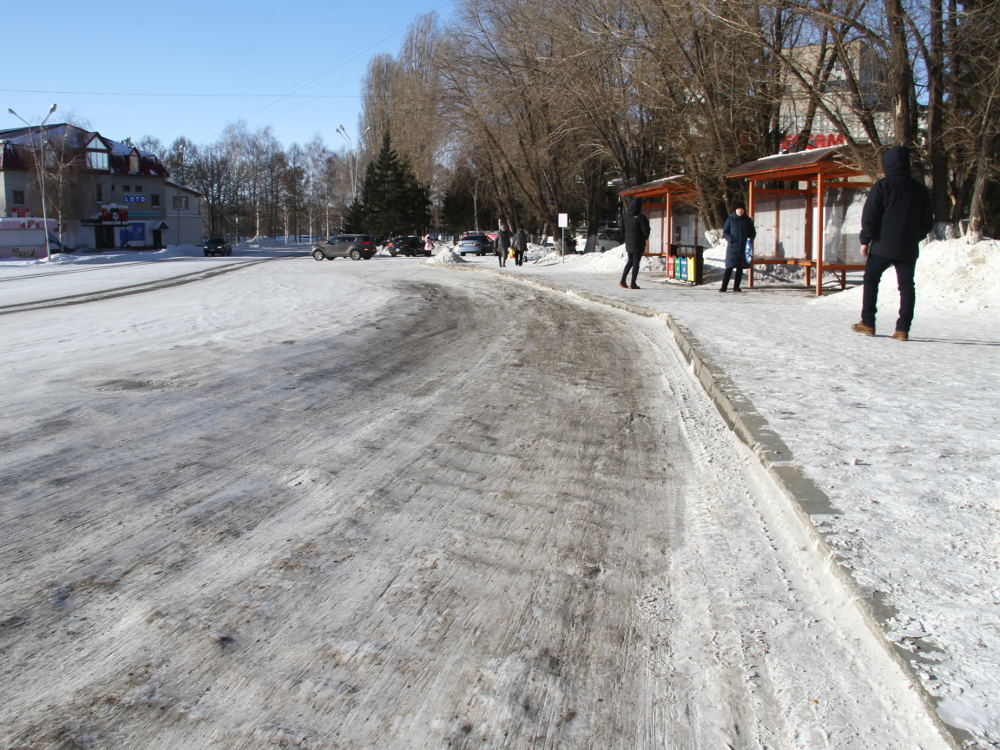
(736, 279)
(875, 266)
(502, 256)
(633, 265)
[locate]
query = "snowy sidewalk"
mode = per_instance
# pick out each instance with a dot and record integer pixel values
(894, 451)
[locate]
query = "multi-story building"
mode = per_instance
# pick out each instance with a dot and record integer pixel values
(865, 67)
(103, 194)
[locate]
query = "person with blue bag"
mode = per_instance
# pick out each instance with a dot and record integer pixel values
(739, 233)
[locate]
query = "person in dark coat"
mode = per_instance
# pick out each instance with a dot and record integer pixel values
(737, 231)
(636, 227)
(520, 246)
(896, 216)
(503, 244)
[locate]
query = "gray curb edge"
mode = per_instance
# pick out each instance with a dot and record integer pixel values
(804, 496)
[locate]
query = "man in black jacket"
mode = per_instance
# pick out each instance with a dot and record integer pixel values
(636, 227)
(896, 216)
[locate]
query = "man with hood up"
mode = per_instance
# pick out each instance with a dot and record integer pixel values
(896, 216)
(636, 227)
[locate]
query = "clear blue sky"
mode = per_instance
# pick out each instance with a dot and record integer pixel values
(190, 68)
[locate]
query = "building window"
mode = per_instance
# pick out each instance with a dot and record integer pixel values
(133, 163)
(154, 200)
(138, 188)
(126, 188)
(18, 197)
(180, 202)
(100, 192)
(97, 160)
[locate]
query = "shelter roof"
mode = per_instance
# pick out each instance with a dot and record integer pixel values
(831, 161)
(678, 186)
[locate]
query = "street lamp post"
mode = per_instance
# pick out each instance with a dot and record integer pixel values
(354, 156)
(40, 166)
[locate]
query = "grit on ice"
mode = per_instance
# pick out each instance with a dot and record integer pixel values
(902, 437)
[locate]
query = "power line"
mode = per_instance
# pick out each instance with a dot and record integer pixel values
(158, 94)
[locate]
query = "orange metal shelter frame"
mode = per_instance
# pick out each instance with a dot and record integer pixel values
(667, 192)
(821, 169)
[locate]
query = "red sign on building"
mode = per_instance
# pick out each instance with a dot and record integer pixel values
(820, 140)
(113, 215)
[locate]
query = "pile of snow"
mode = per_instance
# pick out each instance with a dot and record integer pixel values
(612, 260)
(615, 260)
(956, 275)
(445, 256)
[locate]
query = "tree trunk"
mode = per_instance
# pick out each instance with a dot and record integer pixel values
(901, 75)
(937, 153)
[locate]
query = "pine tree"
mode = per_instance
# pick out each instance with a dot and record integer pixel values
(392, 202)
(354, 218)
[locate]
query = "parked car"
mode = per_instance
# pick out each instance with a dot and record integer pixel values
(56, 245)
(406, 246)
(354, 246)
(475, 242)
(217, 246)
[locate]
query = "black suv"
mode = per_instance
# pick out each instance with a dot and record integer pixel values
(217, 246)
(354, 246)
(406, 246)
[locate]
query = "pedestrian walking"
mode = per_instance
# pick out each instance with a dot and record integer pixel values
(503, 244)
(636, 227)
(520, 246)
(896, 216)
(738, 231)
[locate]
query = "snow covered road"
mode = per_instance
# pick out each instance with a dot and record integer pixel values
(385, 505)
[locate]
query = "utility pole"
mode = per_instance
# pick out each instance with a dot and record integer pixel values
(40, 167)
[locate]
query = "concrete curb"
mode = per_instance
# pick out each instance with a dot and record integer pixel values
(804, 496)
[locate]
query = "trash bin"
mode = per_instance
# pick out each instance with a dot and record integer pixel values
(686, 263)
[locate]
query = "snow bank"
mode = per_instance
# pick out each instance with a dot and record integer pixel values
(109, 256)
(952, 276)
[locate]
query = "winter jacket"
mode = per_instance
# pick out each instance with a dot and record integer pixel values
(636, 228)
(736, 231)
(503, 241)
(521, 241)
(897, 212)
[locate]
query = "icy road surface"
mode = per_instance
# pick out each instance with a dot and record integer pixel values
(352, 505)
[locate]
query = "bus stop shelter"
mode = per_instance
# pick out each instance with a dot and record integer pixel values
(671, 205)
(806, 207)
